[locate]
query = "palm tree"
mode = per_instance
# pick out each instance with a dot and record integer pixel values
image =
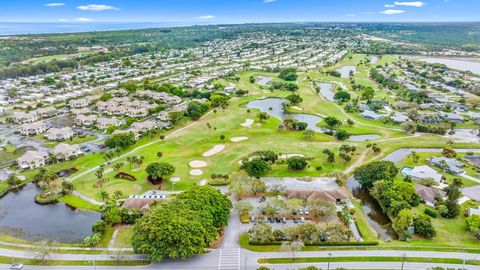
(117, 166)
(118, 194)
(52, 157)
(129, 160)
(104, 195)
(140, 161)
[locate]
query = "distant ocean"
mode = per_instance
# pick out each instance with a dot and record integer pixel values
(49, 28)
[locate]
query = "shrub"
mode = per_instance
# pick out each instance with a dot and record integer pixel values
(99, 227)
(430, 212)
(297, 163)
(92, 240)
(423, 226)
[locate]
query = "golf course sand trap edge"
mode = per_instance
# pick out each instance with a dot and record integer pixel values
(247, 123)
(196, 172)
(291, 155)
(238, 139)
(197, 164)
(216, 149)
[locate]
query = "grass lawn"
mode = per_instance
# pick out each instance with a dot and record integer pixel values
(77, 202)
(75, 140)
(124, 237)
(366, 259)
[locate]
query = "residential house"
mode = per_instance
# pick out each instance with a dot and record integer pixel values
(449, 165)
(428, 194)
(65, 151)
(473, 160)
(46, 112)
(60, 134)
(32, 129)
(142, 203)
(32, 159)
(371, 115)
(104, 122)
(86, 120)
(22, 117)
(423, 172)
(78, 103)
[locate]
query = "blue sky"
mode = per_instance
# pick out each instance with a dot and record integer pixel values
(237, 11)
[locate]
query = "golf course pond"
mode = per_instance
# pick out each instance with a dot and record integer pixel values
(274, 107)
(22, 217)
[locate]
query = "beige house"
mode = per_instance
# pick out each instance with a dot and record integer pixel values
(86, 120)
(46, 112)
(32, 129)
(141, 127)
(32, 159)
(78, 103)
(22, 117)
(137, 113)
(65, 151)
(59, 134)
(103, 122)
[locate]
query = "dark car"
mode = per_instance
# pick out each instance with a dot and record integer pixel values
(295, 220)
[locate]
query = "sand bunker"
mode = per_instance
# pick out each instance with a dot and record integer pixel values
(247, 123)
(216, 149)
(203, 182)
(197, 164)
(196, 172)
(238, 139)
(291, 155)
(297, 108)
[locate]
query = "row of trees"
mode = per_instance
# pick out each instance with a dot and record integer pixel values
(308, 233)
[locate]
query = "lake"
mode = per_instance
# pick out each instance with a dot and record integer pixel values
(21, 217)
(464, 64)
(345, 71)
(274, 107)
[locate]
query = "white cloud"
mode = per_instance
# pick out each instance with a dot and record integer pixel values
(389, 6)
(62, 20)
(94, 7)
(392, 11)
(410, 4)
(350, 15)
(55, 4)
(268, 1)
(206, 17)
(83, 20)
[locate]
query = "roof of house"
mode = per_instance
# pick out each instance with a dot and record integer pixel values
(63, 148)
(428, 194)
(142, 204)
(311, 195)
(422, 172)
(32, 155)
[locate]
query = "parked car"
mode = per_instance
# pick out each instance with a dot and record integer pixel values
(271, 219)
(306, 211)
(16, 266)
(278, 220)
(300, 212)
(295, 220)
(302, 220)
(284, 220)
(252, 219)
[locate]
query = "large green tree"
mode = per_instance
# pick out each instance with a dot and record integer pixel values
(160, 170)
(368, 174)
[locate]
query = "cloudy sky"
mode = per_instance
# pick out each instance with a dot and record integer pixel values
(237, 11)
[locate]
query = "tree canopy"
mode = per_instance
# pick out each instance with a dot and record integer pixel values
(368, 174)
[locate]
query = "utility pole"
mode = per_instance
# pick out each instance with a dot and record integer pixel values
(329, 259)
(403, 260)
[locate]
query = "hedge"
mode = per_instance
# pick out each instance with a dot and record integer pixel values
(278, 243)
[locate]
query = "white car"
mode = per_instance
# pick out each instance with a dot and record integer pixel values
(16, 266)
